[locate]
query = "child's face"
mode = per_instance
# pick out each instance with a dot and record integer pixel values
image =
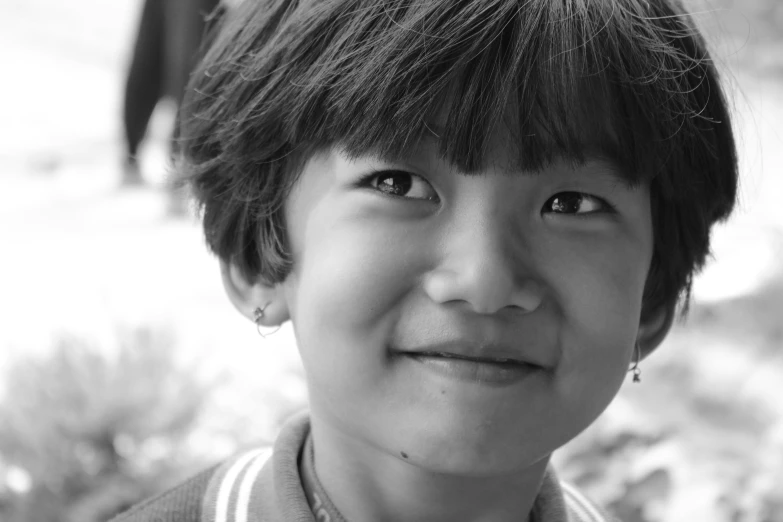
(496, 265)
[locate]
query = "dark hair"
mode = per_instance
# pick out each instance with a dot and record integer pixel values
(285, 78)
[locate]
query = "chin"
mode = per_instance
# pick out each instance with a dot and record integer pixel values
(468, 453)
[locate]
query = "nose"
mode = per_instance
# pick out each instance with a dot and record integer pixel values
(479, 268)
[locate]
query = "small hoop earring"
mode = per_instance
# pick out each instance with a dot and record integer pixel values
(258, 314)
(637, 372)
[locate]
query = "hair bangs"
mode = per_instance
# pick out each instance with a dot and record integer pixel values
(569, 80)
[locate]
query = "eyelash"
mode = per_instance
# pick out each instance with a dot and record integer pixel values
(366, 181)
(606, 207)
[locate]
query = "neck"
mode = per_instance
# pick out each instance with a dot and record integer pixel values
(366, 483)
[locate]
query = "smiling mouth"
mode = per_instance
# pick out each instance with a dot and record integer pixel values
(494, 372)
(447, 355)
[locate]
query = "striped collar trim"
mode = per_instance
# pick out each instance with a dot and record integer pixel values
(580, 506)
(228, 495)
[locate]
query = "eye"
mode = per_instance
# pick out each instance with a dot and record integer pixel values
(401, 184)
(576, 203)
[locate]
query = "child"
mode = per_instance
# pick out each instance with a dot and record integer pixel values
(477, 215)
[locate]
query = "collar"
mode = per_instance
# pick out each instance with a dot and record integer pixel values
(280, 485)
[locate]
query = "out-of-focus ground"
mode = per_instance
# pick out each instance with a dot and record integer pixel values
(85, 258)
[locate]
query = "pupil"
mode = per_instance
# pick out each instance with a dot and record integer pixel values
(395, 184)
(567, 204)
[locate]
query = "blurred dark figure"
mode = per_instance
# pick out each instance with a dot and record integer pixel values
(166, 50)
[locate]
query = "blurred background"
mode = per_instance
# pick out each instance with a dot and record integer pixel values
(124, 368)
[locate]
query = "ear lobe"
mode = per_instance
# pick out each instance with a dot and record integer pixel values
(248, 295)
(654, 328)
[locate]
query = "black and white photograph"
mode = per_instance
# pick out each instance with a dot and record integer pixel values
(391, 261)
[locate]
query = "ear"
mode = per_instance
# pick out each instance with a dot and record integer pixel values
(249, 295)
(654, 327)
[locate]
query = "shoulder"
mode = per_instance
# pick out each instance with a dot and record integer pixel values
(211, 495)
(580, 508)
(180, 504)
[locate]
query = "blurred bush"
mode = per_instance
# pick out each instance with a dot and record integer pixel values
(85, 432)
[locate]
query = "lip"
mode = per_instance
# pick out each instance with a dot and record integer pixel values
(473, 352)
(476, 370)
(492, 364)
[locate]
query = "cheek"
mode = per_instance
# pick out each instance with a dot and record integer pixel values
(610, 296)
(349, 275)
(600, 296)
